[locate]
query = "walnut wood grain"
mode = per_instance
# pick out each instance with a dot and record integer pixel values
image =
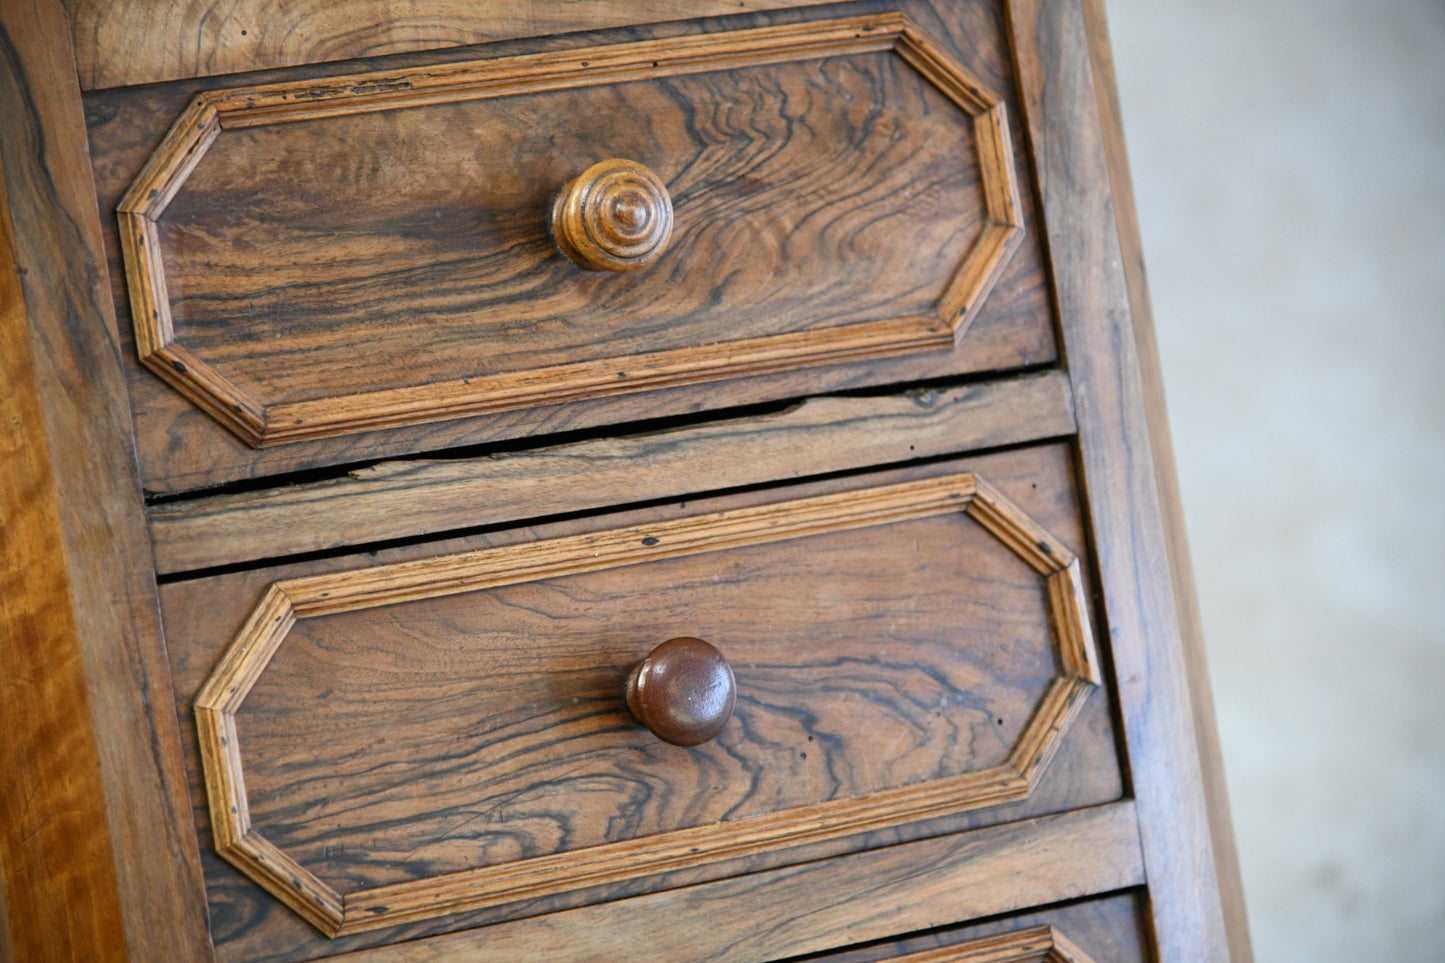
(316, 305)
(119, 44)
(57, 887)
(100, 543)
(98, 859)
(183, 448)
(820, 906)
(1122, 483)
(410, 498)
(1181, 568)
(797, 567)
(203, 614)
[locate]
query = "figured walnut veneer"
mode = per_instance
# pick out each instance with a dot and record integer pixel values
(1075, 674)
(101, 859)
(279, 386)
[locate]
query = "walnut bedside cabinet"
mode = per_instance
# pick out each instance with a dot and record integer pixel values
(507, 480)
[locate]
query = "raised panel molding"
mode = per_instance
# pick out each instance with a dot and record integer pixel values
(1037, 944)
(285, 602)
(251, 409)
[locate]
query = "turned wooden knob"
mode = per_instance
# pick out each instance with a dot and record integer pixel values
(683, 691)
(614, 216)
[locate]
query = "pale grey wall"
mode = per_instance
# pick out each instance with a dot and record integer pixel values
(1289, 163)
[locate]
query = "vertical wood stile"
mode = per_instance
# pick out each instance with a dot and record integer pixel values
(1120, 477)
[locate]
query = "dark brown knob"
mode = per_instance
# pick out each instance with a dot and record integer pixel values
(614, 216)
(683, 691)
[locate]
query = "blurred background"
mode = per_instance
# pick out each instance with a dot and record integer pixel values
(1289, 165)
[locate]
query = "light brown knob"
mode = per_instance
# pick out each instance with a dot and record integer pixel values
(614, 216)
(683, 691)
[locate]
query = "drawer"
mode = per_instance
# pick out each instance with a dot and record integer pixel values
(437, 736)
(340, 265)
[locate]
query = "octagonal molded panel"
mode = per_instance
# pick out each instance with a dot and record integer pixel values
(485, 756)
(312, 259)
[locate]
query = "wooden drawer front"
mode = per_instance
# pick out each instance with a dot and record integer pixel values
(385, 745)
(334, 276)
(319, 258)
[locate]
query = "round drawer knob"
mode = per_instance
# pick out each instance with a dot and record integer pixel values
(683, 691)
(614, 216)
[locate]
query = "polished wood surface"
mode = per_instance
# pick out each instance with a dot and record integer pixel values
(819, 906)
(1117, 452)
(1181, 568)
(401, 499)
(96, 849)
(684, 691)
(54, 853)
(1113, 793)
(846, 613)
(614, 216)
(182, 447)
(203, 616)
(120, 44)
(311, 259)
